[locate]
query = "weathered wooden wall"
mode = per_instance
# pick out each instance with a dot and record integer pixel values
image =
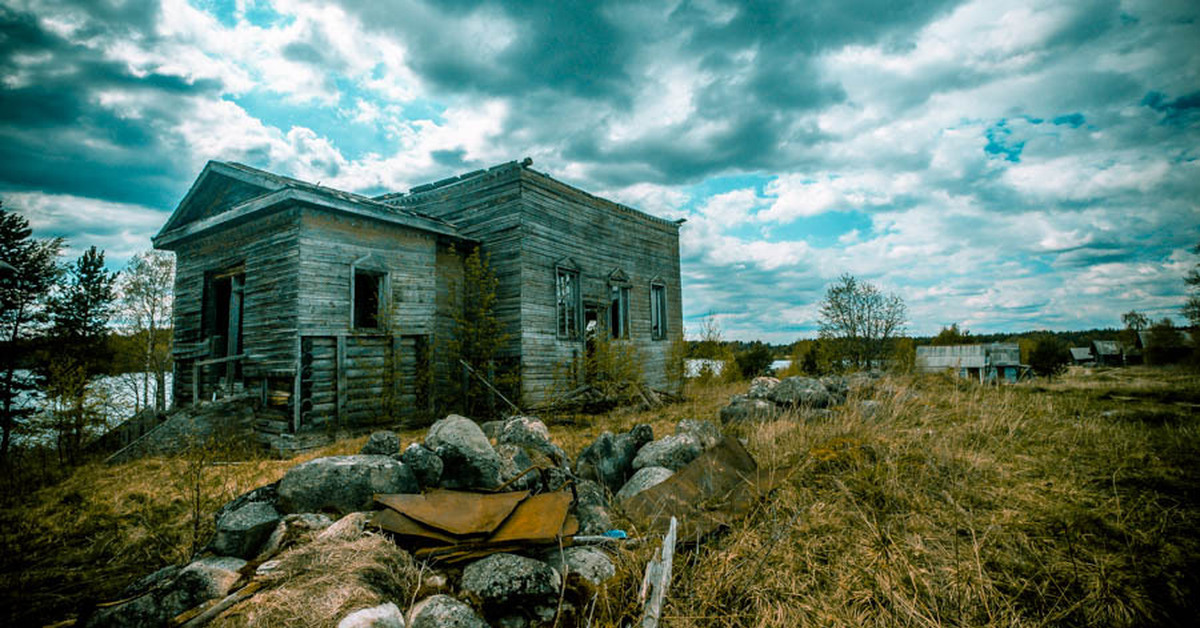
(267, 247)
(600, 237)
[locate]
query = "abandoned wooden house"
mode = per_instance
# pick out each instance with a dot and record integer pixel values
(338, 307)
(993, 362)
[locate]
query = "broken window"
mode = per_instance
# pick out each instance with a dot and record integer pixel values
(568, 303)
(365, 298)
(658, 311)
(618, 311)
(222, 313)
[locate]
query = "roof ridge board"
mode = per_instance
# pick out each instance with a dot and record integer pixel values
(615, 204)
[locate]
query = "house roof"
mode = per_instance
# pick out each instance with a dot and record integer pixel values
(1081, 353)
(227, 192)
(1106, 347)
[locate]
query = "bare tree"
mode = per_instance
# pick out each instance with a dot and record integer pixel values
(861, 321)
(147, 289)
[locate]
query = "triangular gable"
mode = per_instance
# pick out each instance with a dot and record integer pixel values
(618, 276)
(568, 264)
(219, 187)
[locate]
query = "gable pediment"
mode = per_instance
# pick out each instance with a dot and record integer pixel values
(218, 188)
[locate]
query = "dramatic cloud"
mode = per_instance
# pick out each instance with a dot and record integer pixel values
(1027, 164)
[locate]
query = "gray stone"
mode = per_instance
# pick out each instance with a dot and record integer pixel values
(492, 429)
(342, 484)
(155, 580)
(468, 460)
(268, 493)
(672, 452)
(290, 528)
(242, 532)
(381, 443)
(530, 433)
(347, 528)
(706, 432)
(590, 563)
(869, 408)
(443, 611)
(502, 581)
(645, 478)
(609, 459)
(203, 580)
(803, 392)
(424, 464)
(838, 387)
(591, 509)
(383, 616)
(760, 387)
(514, 460)
(748, 410)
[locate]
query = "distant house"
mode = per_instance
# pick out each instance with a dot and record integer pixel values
(338, 307)
(1108, 353)
(997, 361)
(1082, 356)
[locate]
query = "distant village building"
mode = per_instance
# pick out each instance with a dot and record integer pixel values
(1108, 353)
(1082, 356)
(334, 305)
(992, 362)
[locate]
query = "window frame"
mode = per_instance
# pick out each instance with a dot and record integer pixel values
(568, 316)
(658, 310)
(618, 297)
(382, 284)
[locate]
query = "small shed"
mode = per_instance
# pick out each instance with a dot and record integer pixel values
(1108, 353)
(1082, 355)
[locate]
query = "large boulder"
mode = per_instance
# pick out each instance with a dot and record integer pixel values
(609, 459)
(203, 580)
(838, 387)
(343, 484)
(645, 478)
(590, 563)
(381, 443)
(424, 464)
(505, 581)
(268, 493)
(673, 452)
(383, 616)
(706, 432)
(743, 409)
(242, 532)
(804, 392)
(761, 387)
(514, 460)
(468, 460)
(531, 434)
(443, 611)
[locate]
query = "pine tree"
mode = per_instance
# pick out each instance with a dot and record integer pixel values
(29, 271)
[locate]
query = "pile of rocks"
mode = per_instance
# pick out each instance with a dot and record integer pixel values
(769, 397)
(507, 589)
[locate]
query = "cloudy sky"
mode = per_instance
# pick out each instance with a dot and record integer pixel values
(1002, 165)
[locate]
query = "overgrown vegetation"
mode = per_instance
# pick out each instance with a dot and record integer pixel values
(1067, 503)
(477, 340)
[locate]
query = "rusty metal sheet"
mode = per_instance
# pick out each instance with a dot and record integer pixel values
(457, 512)
(713, 490)
(537, 519)
(397, 523)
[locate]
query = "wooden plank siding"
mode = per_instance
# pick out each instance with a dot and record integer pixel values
(267, 249)
(600, 237)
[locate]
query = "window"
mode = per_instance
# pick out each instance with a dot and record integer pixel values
(365, 298)
(658, 311)
(618, 311)
(567, 298)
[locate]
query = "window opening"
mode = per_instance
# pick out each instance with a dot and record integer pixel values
(618, 311)
(658, 311)
(568, 303)
(367, 288)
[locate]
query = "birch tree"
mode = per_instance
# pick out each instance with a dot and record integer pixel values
(861, 322)
(147, 295)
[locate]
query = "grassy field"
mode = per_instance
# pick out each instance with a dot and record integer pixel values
(1069, 503)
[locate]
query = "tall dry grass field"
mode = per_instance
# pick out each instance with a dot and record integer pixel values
(942, 503)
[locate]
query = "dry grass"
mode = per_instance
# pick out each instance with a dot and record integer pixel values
(318, 583)
(1065, 504)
